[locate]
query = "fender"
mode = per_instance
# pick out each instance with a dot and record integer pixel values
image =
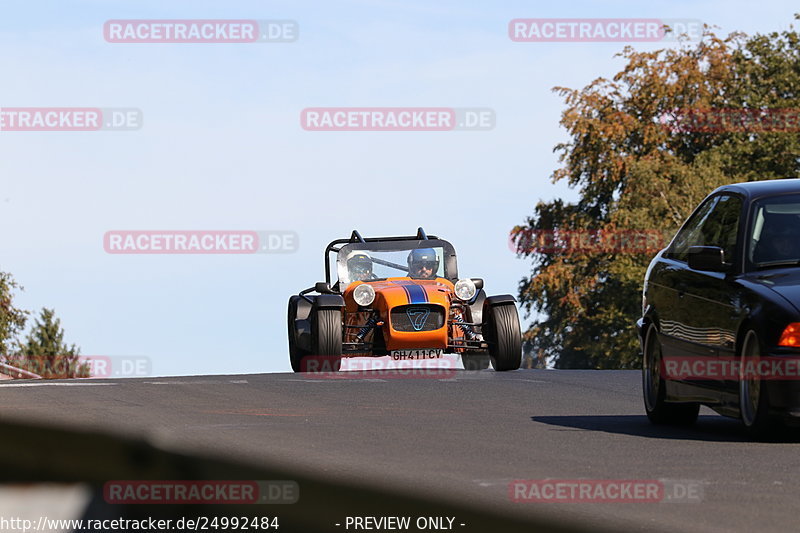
(303, 306)
(476, 307)
(649, 316)
(498, 300)
(328, 301)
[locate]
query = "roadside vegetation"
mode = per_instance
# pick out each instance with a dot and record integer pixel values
(646, 145)
(42, 351)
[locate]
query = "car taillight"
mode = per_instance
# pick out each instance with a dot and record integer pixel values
(790, 335)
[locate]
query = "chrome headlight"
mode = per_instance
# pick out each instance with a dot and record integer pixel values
(465, 289)
(364, 294)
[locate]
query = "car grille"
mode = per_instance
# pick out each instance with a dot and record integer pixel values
(417, 317)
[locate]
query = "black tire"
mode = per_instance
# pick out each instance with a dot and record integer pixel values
(753, 398)
(475, 361)
(501, 331)
(326, 340)
(295, 354)
(659, 411)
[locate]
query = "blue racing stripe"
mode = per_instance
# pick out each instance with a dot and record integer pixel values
(416, 294)
(408, 294)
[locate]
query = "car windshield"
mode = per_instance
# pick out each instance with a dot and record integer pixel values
(775, 232)
(380, 260)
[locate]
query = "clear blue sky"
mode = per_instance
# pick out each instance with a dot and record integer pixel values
(222, 148)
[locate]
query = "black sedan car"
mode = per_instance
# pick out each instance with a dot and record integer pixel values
(720, 319)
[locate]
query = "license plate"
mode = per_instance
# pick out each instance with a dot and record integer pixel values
(420, 353)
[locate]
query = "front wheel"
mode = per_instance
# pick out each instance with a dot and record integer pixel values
(501, 331)
(295, 352)
(326, 342)
(753, 400)
(659, 411)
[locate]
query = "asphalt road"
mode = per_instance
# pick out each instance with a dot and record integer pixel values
(463, 436)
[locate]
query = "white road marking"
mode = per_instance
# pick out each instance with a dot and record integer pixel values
(45, 384)
(93, 383)
(339, 380)
(196, 382)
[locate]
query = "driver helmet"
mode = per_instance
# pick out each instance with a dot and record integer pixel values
(359, 265)
(423, 263)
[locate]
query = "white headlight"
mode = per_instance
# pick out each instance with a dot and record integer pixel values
(465, 289)
(364, 294)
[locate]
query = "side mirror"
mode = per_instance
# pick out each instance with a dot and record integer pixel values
(478, 283)
(708, 258)
(322, 287)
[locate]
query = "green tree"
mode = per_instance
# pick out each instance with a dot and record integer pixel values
(636, 168)
(12, 320)
(45, 353)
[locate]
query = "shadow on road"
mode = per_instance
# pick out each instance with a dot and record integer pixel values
(708, 428)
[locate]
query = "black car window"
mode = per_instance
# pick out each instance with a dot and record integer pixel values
(716, 223)
(690, 234)
(773, 237)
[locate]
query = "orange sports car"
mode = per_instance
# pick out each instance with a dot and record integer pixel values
(400, 297)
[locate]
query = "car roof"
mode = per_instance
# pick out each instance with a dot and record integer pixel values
(760, 189)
